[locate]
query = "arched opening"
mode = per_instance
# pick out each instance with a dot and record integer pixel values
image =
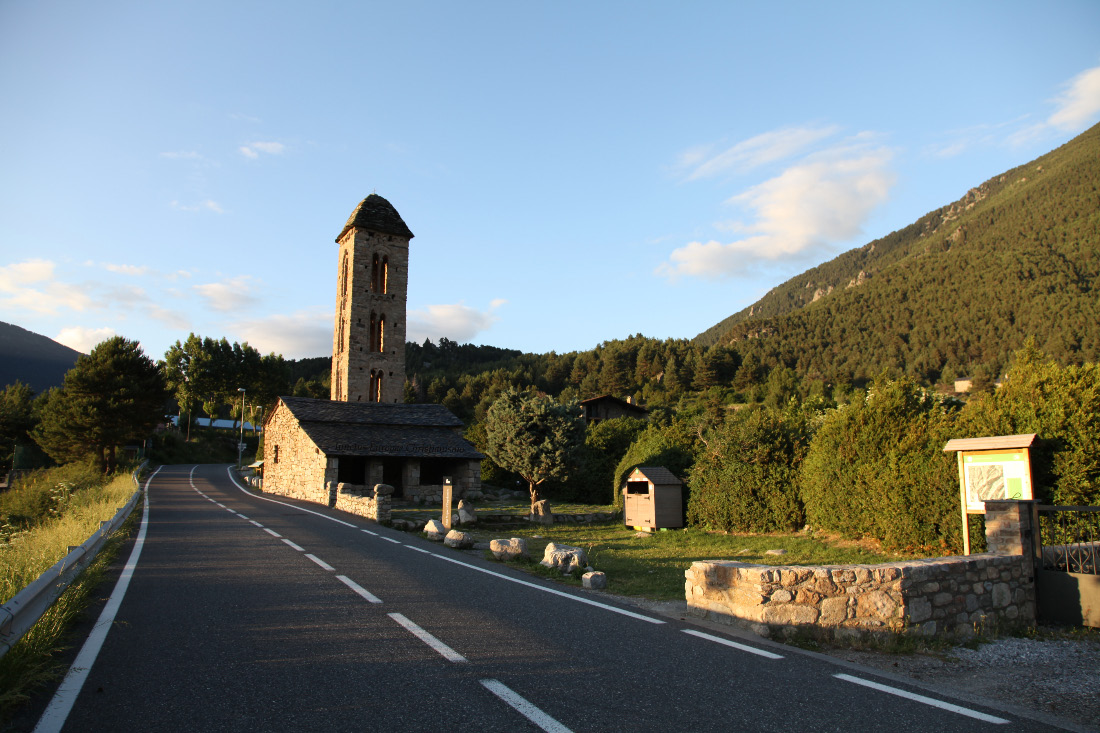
(382, 333)
(385, 274)
(374, 274)
(343, 279)
(372, 340)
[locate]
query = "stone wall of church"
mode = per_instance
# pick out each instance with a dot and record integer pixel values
(293, 465)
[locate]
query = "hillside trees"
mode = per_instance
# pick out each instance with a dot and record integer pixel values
(535, 437)
(112, 396)
(16, 418)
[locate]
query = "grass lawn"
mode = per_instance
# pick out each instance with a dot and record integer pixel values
(652, 565)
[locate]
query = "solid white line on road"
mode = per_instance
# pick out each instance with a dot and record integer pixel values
(570, 596)
(324, 565)
(62, 703)
(921, 698)
(524, 707)
(447, 652)
(256, 523)
(299, 548)
(734, 644)
(419, 549)
(391, 539)
(366, 594)
(272, 532)
(229, 471)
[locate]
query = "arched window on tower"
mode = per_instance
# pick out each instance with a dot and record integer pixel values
(344, 278)
(374, 394)
(375, 274)
(382, 333)
(372, 341)
(385, 274)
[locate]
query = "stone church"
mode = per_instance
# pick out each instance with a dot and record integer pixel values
(352, 450)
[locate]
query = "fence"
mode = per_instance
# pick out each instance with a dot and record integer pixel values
(22, 612)
(1068, 562)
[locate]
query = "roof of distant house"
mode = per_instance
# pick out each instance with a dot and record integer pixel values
(377, 214)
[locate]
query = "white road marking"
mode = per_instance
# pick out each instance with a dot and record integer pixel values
(373, 533)
(419, 549)
(296, 547)
(256, 523)
(229, 471)
(524, 707)
(53, 719)
(544, 589)
(324, 565)
(391, 539)
(734, 644)
(445, 651)
(366, 594)
(223, 506)
(921, 698)
(241, 516)
(272, 532)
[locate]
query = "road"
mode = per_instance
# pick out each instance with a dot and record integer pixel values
(250, 612)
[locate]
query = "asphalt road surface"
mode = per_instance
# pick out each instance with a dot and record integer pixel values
(257, 613)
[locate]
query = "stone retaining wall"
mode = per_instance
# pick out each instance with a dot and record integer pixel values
(951, 595)
(358, 499)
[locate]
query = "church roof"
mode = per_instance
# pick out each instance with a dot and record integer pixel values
(377, 214)
(381, 429)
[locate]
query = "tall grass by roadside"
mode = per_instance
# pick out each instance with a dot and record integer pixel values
(46, 512)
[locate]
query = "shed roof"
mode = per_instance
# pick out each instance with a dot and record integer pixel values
(657, 475)
(370, 413)
(377, 214)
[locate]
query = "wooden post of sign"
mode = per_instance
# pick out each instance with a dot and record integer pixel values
(966, 514)
(447, 498)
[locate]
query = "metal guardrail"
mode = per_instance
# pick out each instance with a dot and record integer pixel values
(22, 612)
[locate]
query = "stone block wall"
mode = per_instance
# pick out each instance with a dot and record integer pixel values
(953, 596)
(372, 503)
(293, 465)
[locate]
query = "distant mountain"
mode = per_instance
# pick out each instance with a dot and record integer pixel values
(33, 359)
(965, 285)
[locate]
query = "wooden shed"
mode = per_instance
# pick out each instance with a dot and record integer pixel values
(653, 499)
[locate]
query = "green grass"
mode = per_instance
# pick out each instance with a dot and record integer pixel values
(511, 506)
(652, 566)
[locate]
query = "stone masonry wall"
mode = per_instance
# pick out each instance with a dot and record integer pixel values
(942, 596)
(357, 499)
(301, 469)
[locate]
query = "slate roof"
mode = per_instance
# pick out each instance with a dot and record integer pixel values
(381, 429)
(658, 475)
(377, 214)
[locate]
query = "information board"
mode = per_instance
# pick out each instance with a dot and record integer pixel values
(993, 476)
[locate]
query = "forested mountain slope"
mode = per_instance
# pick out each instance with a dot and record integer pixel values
(35, 360)
(965, 285)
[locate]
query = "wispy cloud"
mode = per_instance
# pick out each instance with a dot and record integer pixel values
(32, 286)
(300, 335)
(134, 270)
(207, 205)
(228, 295)
(768, 147)
(458, 321)
(823, 199)
(253, 150)
(83, 339)
(1078, 105)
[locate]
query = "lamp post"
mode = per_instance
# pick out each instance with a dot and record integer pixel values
(240, 445)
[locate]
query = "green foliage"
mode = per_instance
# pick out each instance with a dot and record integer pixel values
(534, 436)
(672, 447)
(112, 396)
(605, 443)
(205, 446)
(16, 419)
(876, 468)
(746, 477)
(42, 495)
(1060, 404)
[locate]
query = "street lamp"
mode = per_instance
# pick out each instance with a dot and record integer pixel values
(240, 445)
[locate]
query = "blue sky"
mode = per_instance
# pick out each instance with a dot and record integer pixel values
(573, 173)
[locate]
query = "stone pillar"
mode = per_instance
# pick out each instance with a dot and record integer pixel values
(1008, 529)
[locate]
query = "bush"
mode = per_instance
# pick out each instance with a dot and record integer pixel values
(876, 468)
(746, 476)
(43, 494)
(605, 443)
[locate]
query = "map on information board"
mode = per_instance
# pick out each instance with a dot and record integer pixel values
(995, 476)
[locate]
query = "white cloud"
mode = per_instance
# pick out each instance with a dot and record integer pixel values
(823, 199)
(31, 286)
(1079, 103)
(253, 150)
(456, 321)
(207, 205)
(134, 270)
(300, 335)
(228, 295)
(84, 339)
(765, 148)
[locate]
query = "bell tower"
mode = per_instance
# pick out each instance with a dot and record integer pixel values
(368, 340)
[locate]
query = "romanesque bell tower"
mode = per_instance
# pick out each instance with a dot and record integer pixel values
(368, 340)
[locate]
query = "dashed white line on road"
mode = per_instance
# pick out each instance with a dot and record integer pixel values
(921, 698)
(391, 539)
(272, 532)
(369, 532)
(296, 547)
(526, 708)
(419, 549)
(256, 523)
(734, 644)
(324, 565)
(445, 651)
(242, 516)
(366, 594)
(229, 472)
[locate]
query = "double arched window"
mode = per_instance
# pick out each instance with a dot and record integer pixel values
(380, 275)
(377, 340)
